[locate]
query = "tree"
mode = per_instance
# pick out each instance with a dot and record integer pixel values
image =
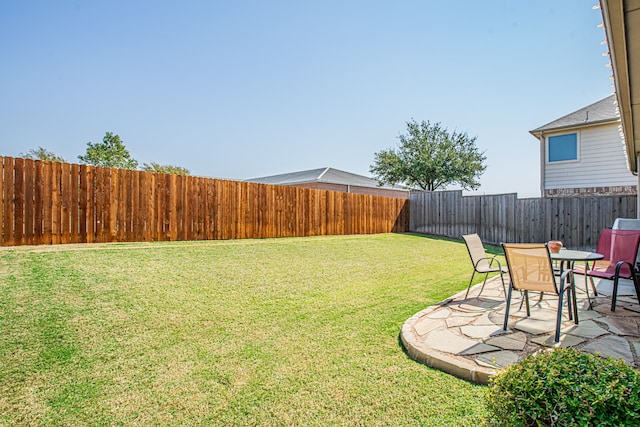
(158, 168)
(429, 157)
(41, 153)
(110, 153)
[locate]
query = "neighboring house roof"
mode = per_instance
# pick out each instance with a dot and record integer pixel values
(603, 111)
(326, 175)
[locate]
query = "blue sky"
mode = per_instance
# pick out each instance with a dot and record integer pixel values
(241, 89)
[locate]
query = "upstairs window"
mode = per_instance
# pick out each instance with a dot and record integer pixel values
(562, 148)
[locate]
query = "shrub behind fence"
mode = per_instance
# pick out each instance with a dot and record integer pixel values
(56, 203)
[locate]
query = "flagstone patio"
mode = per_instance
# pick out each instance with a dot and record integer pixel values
(464, 337)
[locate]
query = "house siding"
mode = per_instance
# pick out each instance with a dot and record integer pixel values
(601, 168)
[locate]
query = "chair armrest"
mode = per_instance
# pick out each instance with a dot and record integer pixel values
(619, 265)
(563, 280)
(490, 259)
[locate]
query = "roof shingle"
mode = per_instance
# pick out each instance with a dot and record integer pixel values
(605, 110)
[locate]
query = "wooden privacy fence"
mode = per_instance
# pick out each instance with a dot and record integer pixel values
(576, 221)
(53, 203)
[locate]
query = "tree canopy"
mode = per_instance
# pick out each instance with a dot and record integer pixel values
(429, 157)
(41, 153)
(110, 153)
(158, 168)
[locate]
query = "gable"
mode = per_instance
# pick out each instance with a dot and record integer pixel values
(601, 112)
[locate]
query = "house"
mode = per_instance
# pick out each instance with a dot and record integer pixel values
(335, 180)
(621, 18)
(583, 153)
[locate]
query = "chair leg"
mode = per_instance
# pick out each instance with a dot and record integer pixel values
(586, 285)
(574, 303)
(636, 284)
(483, 283)
(559, 316)
(470, 282)
(586, 289)
(526, 298)
(569, 308)
(521, 300)
(506, 313)
(614, 293)
(593, 286)
(504, 288)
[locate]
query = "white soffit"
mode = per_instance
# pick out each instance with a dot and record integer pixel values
(622, 26)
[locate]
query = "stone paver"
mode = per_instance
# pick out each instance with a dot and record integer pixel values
(478, 349)
(439, 314)
(481, 331)
(465, 338)
(565, 340)
(614, 346)
(450, 342)
(587, 314)
(535, 326)
(515, 341)
(484, 320)
(426, 325)
(498, 359)
(586, 329)
(454, 321)
(622, 325)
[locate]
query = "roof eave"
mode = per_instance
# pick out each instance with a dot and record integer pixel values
(624, 49)
(538, 132)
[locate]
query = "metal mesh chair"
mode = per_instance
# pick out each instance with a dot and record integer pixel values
(531, 269)
(621, 262)
(482, 263)
(604, 248)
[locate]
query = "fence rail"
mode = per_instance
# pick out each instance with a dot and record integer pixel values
(576, 221)
(56, 203)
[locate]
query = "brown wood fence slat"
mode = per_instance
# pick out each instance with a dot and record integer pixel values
(576, 221)
(54, 203)
(102, 181)
(8, 207)
(65, 200)
(38, 204)
(29, 206)
(47, 204)
(141, 188)
(74, 179)
(19, 196)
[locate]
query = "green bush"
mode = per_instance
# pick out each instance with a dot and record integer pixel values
(565, 387)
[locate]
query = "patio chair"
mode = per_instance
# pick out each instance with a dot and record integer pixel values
(482, 263)
(622, 262)
(531, 269)
(603, 247)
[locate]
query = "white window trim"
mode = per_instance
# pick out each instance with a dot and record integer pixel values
(560, 162)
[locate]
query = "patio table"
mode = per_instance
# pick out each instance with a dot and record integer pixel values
(570, 256)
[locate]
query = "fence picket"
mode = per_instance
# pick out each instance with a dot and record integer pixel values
(45, 202)
(505, 218)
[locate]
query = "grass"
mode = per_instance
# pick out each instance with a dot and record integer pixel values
(270, 332)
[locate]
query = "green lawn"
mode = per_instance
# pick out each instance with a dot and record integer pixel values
(275, 332)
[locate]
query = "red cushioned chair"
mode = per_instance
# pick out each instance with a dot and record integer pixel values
(621, 264)
(604, 248)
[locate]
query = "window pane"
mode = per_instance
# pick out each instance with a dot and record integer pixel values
(563, 147)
